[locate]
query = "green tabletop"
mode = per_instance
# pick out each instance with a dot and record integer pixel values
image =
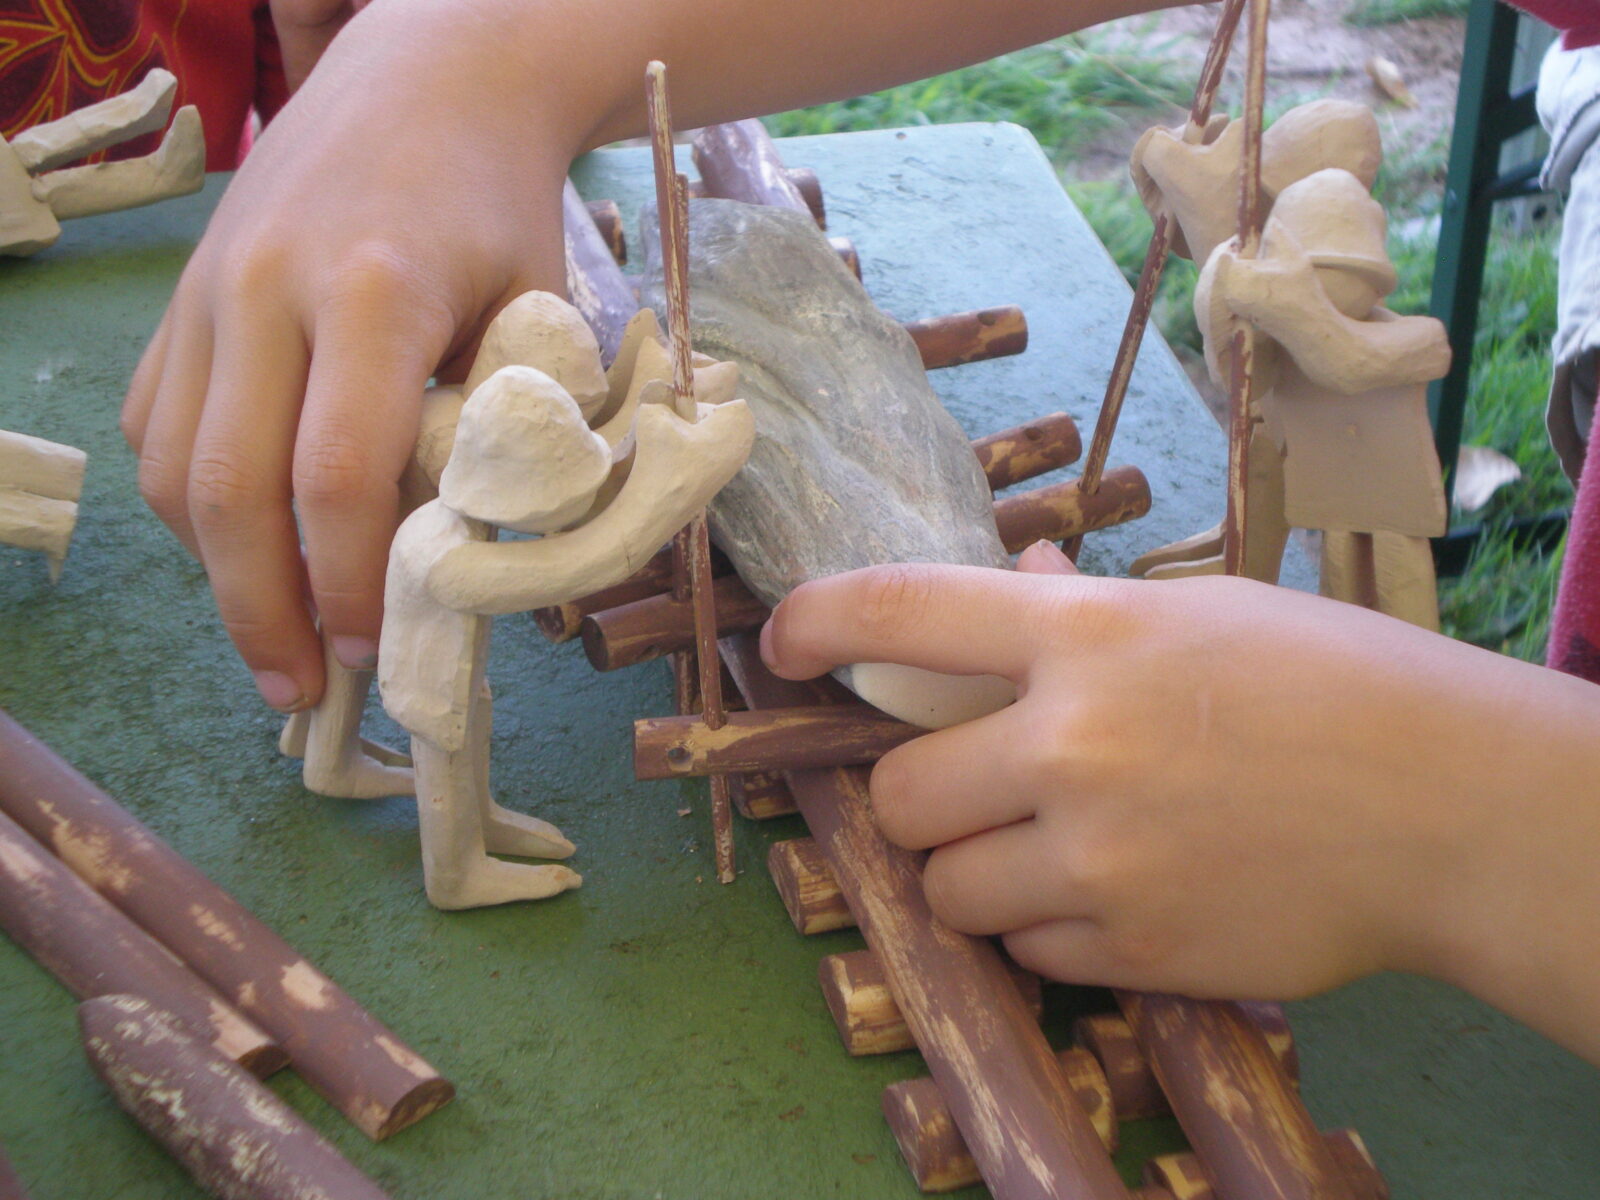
(653, 1034)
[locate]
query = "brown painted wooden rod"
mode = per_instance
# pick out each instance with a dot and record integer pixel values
(1001, 1080)
(237, 1138)
(94, 950)
(1007, 457)
(959, 338)
(647, 629)
(339, 1048)
(595, 284)
(803, 178)
(778, 739)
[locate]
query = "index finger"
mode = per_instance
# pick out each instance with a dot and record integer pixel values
(952, 619)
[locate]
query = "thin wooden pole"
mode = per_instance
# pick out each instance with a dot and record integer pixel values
(1242, 348)
(1155, 261)
(694, 557)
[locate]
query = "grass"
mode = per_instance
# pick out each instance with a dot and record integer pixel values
(1070, 91)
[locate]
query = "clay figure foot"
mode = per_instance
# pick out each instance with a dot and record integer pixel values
(490, 881)
(338, 760)
(1192, 549)
(508, 832)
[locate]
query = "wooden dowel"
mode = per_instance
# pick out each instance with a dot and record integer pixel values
(94, 950)
(607, 218)
(1233, 1100)
(1004, 1085)
(1063, 510)
(773, 740)
(848, 254)
(339, 1048)
(1024, 451)
(595, 284)
(803, 178)
(10, 1184)
(1183, 1176)
(761, 795)
(932, 1145)
(864, 1011)
(806, 885)
(646, 629)
(237, 1138)
(739, 161)
(562, 622)
(957, 338)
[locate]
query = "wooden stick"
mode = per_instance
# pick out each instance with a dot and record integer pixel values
(607, 218)
(864, 1011)
(1065, 510)
(1233, 1100)
(761, 795)
(1155, 261)
(93, 950)
(959, 338)
(806, 885)
(339, 1048)
(1025, 451)
(595, 284)
(1185, 1178)
(1242, 345)
(932, 1145)
(1006, 1091)
(739, 161)
(778, 739)
(1008, 457)
(237, 1138)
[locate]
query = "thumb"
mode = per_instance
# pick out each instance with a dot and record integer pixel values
(1045, 558)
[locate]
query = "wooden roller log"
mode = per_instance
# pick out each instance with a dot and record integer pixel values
(10, 1184)
(1133, 1084)
(607, 218)
(761, 795)
(864, 1012)
(1062, 511)
(1004, 1086)
(966, 337)
(805, 883)
(1233, 1100)
(94, 950)
(1007, 457)
(647, 629)
(738, 160)
(803, 178)
(595, 284)
(1184, 1178)
(339, 1048)
(848, 255)
(932, 1146)
(829, 735)
(238, 1139)
(1020, 453)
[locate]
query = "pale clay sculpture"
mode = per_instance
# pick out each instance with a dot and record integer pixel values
(512, 448)
(1344, 445)
(40, 482)
(35, 197)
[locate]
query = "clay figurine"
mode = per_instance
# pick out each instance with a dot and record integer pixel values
(1344, 445)
(35, 197)
(40, 483)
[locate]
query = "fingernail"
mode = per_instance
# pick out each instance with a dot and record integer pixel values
(278, 690)
(766, 644)
(357, 653)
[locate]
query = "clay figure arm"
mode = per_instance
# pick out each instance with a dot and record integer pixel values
(432, 140)
(1225, 789)
(677, 468)
(1283, 297)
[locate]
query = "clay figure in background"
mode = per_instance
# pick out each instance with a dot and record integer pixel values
(35, 197)
(537, 330)
(40, 482)
(1344, 445)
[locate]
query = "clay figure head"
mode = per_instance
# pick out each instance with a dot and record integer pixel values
(1313, 137)
(540, 330)
(524, 457)
(1341, 229)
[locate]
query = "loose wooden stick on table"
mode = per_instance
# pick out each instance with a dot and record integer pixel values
(339, 1048)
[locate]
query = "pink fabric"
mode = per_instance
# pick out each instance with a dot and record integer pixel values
(1575, 625)
(1578, 20)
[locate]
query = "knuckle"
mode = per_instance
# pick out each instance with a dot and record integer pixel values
(331, 473)
(892, 598)
(221, 487)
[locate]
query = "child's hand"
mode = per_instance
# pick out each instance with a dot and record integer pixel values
(362, 247)
(1220, 788)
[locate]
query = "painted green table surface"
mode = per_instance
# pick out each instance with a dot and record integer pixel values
(653, 1034)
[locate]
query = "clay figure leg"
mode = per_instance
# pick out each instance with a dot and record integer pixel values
(338, 760)
(451, 803)
(505, 831)
(95, 126)
(176, 168)
(1388, 572)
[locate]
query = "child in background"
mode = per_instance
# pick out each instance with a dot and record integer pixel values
(1209, 786)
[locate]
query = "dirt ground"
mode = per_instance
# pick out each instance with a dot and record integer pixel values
(1311, 52)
